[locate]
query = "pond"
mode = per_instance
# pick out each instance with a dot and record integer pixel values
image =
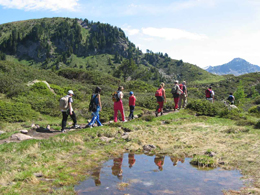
(142, 174)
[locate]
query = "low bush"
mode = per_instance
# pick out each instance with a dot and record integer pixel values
(257, 125)
(203, 160)
(231, 114)
(204, 107)
(256, 100)
(16, 112)
(254, 110)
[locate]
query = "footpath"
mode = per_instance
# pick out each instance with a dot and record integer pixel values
(38, 132)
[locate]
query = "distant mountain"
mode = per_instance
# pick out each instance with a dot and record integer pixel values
(236, 67)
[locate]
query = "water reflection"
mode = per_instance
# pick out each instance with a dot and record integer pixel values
(135, 174)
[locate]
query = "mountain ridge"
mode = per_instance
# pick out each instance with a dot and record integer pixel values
(237, 66)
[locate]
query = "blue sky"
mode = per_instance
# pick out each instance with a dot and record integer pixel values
(201, 32)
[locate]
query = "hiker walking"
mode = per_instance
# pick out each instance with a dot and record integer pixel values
(231, 98)
(95, 106)
(183, 96)
(161, 98)
(68, 110)
(118, 104)
(176, 91)
(132, 100)
(210, 94)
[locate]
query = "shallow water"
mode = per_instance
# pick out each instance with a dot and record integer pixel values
(142, 174)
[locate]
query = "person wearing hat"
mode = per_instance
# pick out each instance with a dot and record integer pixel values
(132, 100)
(176, 91)
(69, 111)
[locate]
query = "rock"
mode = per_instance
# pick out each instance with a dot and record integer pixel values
(233, 107)
(221, 163)
(21, 137)
(33, 126)
(125, 136)
(48, 127)
(148, 147)
(106, 139)
(70, 123)
(38, 174)
(135, 116)
(2, 132)
(24, 131)
(37, 126)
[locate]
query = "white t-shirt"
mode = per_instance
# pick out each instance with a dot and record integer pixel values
(120, 93)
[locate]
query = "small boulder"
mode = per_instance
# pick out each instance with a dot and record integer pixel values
(2, 132)
(106, 139)
(38, 174)
(125, 136)
(48, 127)
(24, 131)
(20, 137)
(149, 147)
(135, 116)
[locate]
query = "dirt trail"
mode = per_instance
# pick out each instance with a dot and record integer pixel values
(43, 133)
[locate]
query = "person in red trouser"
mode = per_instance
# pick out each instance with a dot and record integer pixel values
(118, 105)
(161, 98)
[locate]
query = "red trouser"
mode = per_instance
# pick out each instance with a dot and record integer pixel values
(119, 106)
(160, 106)
(176, 101)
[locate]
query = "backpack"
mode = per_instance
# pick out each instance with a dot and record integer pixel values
(158, 93)
(115, 97)
(208, 93)
(174, 89)
(64, 102)
(230, 98)
(92, 105)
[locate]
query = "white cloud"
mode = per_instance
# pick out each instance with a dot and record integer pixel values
(130, 31)
(172, 33)
(53, 5)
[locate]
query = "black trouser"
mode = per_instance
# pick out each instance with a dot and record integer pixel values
(65, 117)
(131, 115)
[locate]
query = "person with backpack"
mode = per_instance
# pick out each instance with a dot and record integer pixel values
(183, 96)
(132, 100)
(231, 98)
(161, 98)
(95, 106)
(210, 94)
(118, 104)
(176, 91)
(66, 109)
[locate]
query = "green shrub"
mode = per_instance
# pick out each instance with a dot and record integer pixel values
(204, 107)
(203, 160)
(257, 125)
(231, 114)
(256, 100)
(254, 110)
(16, 112)
(41, 88)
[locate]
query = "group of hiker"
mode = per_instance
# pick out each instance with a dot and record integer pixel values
(179, 92)
(95, 107)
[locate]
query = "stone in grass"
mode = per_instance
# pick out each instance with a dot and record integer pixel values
(2, 132)
(48, 127)
(149, 147)
(38, 174)
(24, 131)
(20, 137)
(106, 139)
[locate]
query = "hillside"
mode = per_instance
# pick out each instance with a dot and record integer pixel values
(236, 67)
(57, 43)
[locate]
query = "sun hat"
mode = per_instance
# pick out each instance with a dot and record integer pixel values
(131, 93)
(70, 92)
